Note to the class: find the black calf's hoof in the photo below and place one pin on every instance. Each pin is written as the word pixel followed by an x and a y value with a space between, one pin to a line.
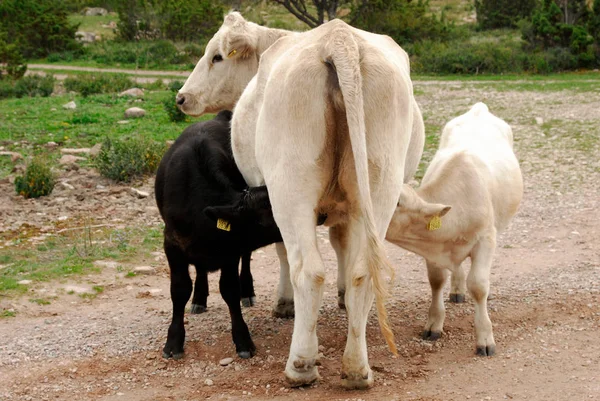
pixel 482 350
pixel 457 298
pixel 245 354
pixel 197 309
pixel 429 335
pixel 169 354
pixel 248 302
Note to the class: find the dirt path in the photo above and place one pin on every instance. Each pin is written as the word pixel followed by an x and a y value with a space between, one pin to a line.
pixel 111 70
pixel 545 302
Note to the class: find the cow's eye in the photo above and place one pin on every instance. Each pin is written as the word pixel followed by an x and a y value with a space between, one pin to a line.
pixel 217 58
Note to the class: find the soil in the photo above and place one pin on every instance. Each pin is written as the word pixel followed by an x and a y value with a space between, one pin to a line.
pixel 544 304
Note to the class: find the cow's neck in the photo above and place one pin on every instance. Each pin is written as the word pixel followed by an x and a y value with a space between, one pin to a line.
pixel 268 36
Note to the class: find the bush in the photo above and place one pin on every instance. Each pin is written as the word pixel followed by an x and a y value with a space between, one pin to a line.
pixel 89 84
pixel 124 160
pixel 7 89
pixel 493 14
pixel 39 27
pixel 34 85
pixel 405 22
pixel 12 63
pixel 173 111
pixel 37 181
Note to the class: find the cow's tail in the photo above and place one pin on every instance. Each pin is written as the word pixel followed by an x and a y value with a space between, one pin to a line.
pixel 342 52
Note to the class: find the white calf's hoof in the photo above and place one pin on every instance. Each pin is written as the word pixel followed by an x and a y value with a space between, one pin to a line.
pixel 284 308
pixel 357 380
pixel 302 372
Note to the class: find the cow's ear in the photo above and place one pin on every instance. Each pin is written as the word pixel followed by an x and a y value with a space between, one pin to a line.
pixel 435 209
pixel 238 39
pixel 227 214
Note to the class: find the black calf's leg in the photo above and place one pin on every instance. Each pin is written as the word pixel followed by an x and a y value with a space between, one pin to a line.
pixel 229 285
pixel 246 282
pixel 181 290
pixel 200 291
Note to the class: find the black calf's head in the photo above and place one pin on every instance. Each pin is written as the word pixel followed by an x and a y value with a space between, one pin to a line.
pixel 249 215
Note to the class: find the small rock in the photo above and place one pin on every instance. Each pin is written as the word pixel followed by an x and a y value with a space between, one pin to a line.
pixel 95 150
pixel 139 194
pixel 133 92
pixel 70 159
pixel 150 356
pixel 69 151
pixel 70 106
pixel 144 270
pixel 225 361
pixel 24 282
pixel 94 11
pixel 208 382
pixel 66 185
pixel 53 109
pixel 123 122
pixel 539 120
pixel 135 112
pixel 170 143
pixel 51 145
pixel 14 156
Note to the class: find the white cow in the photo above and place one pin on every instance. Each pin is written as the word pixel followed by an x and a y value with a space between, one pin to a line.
pixel 217 83
pixel 475 171
pixel 326 124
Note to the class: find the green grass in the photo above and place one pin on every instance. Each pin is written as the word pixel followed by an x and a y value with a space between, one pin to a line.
pixel 7 313
pixel 94 24
pixel 40 301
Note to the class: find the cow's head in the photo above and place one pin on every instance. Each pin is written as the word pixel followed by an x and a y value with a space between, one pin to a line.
pixel 229 63
pixel 249 215
pixel 414 216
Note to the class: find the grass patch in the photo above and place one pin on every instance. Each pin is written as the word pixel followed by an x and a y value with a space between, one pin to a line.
pixel 130 274
pixel 40 301
pixel 8 313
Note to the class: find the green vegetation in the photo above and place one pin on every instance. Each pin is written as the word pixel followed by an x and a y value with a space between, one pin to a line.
pixel 30 86
pixel 125 160
pixel 91 84
pixel 37 181
pixel 40 301
pixel 492 14
pixel 8 313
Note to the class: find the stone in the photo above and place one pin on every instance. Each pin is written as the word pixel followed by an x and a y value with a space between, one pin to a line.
pixel 139 194
pixel 86 37
pixel 225 361
pixel 106 263
pixel 69 151
pixel 123 122
pixel 133 92
pixel 70 159
pixel 24 282
pixel 144 270
pixel 94 11
pixel 95 150
pixel 66 185
pixel 208 382
pixel 539 120
pixel 14 156
pixel 70 106
pixel 51 145
pixel 135 112
pixel 170 143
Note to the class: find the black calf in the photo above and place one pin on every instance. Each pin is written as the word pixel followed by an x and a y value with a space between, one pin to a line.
pixel 211 220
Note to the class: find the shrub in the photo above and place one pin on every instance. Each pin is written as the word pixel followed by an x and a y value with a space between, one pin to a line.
pixel 173 111
pixel 34 85
pixel 40 27
pixel 89 84
pixel 493 14
pixel 12 63
pixel 124 160
pixel 174 86
pixel 37 181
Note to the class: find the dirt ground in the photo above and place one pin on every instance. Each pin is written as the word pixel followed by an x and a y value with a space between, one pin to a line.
pixel 544 304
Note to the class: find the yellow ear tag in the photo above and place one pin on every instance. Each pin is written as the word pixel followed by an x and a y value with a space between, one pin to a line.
pixel 435 223
pixel 223 225
pixel 232 53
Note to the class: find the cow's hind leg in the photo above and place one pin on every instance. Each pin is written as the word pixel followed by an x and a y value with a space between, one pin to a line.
pixel 181 290
pixel 458 286
pixel 478 283
pixel 246 282
pixel 284 308
pixel 337 237
pixel 200 292
pixel 229 285
pixel 437 312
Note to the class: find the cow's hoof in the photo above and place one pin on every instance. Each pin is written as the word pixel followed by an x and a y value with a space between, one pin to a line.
pixel 284 308
pixel 197 309
pixel 457 298
pixel 486 350
pixel 170 354
pixel 248 302
pixel 430 335
pixel 245 354
pixel 341 299
pixel 357 380
pixel 302 372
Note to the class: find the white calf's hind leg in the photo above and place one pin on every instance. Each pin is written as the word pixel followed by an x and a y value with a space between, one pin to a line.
pixel 337 237
pixel 478 283
pixel 458 286
pixel 284 307
pixel 437 312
